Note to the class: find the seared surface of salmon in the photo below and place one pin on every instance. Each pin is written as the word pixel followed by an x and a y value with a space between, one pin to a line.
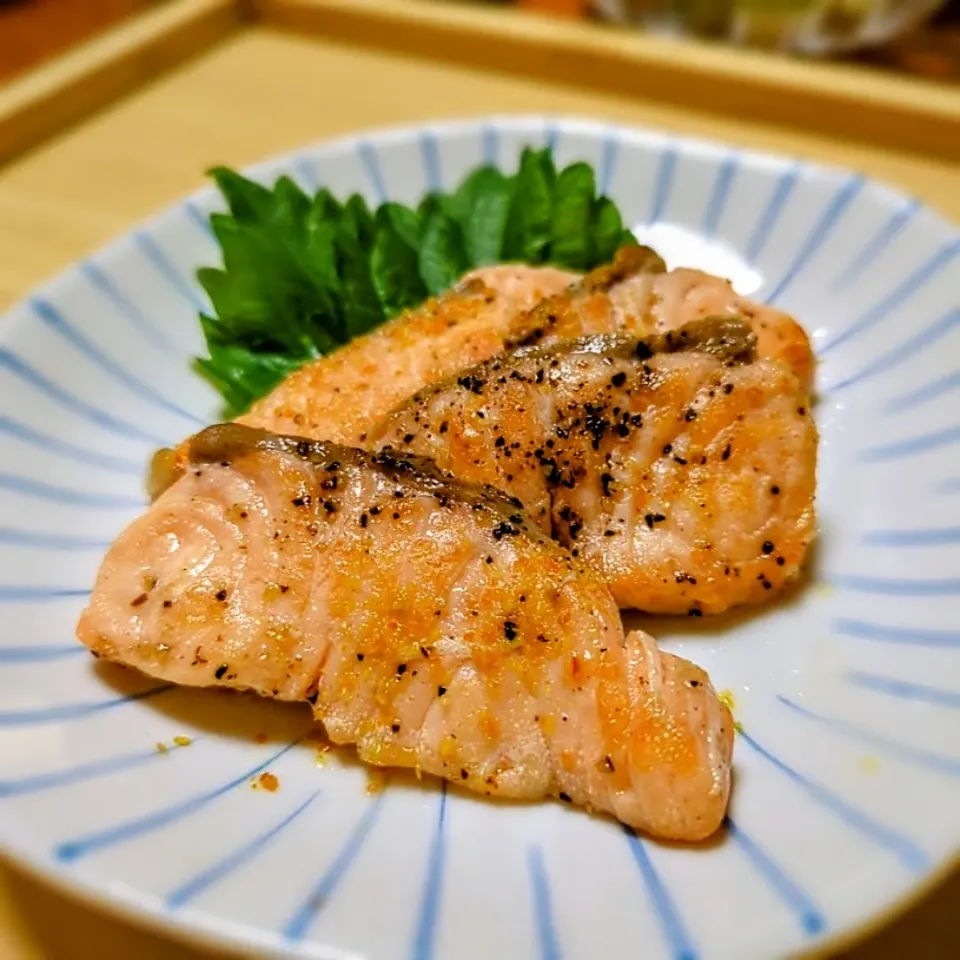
pixel 644 298
pixel 340 395
pixel 426 620
pixel 682 468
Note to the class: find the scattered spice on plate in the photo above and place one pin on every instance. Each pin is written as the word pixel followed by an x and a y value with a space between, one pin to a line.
pixel 376 781
pixel 182 741
pixel 268 782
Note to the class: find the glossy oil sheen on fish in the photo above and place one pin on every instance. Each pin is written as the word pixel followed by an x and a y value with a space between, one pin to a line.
pixel 682 467
pixel 426 620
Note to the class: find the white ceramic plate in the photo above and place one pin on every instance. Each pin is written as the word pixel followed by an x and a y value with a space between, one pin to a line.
pixel 847 794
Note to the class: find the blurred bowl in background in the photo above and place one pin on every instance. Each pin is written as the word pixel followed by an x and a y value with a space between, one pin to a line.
pixel 815 27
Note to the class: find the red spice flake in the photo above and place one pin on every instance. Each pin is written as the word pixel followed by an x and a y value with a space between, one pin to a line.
pixel 260 738
pixel 376 781
pixel 268 782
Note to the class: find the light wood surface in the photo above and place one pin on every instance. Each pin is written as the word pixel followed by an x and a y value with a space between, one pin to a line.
pixel 101 71
pixel 263 92
pixel 842 100
pixel 259 93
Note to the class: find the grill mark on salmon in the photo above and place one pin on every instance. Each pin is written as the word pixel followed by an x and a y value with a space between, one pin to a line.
pixel 637 295
pixel 426 620
pixel 679 465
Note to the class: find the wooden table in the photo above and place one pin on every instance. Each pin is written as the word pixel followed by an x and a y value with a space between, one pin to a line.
pixel 261 92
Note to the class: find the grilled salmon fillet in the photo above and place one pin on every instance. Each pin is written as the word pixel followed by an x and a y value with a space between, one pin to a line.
pixel 682 468
pixel 338 396
pixel 426 620
pixel 637 295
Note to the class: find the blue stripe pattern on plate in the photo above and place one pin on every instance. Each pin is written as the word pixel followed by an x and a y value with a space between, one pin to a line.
pixel 13 593
pixel 718 198
pixel 68 496
pixel 199 218
pixel 876 244
pixel 73 404
pixel 229 864
pixel 40 653
pixel 902 292
pixel 490 139
pixel 893 586
pixel 950 485
pixel 660 198
pixel 430 161
pixel 305 170
pixel 74 711
pixel 924 394
pixel 937 762
pixel 808 914
pixel 297 926
pixel 772 212
pixel 681 946
pixel 924 443
pixel 818 235
pixel 99 278
pixel 70 776
pixel 902 690
pixel 50 541
pixel 906 351
pixel 162 264
pixel 886 633
pixel 54 320
pixel 936 537
pixel 542 907
pixel 371 165
pixel 71 850
pixel 608 161
pixel 54 445
pixel 894 842
pixel 425 935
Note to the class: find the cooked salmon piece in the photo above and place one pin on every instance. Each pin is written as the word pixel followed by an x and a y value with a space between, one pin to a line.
pixel 644 298
pixel 426 620
pixel 681 467
pixel 338 396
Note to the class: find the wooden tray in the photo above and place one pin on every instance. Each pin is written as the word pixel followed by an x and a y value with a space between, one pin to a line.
pixel 123 126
